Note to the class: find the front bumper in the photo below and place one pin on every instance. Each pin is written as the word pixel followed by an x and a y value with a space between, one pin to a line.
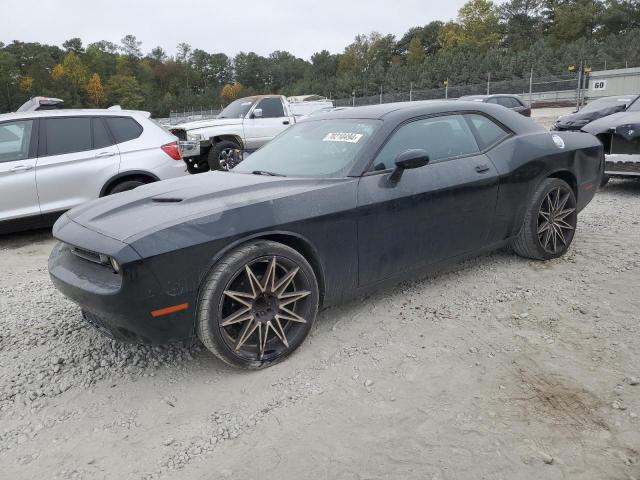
pixel 118 305
pixel 561 127
pixel 622 165
pixel 189 148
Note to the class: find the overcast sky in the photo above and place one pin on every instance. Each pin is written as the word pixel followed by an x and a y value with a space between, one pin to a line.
pixel 301 27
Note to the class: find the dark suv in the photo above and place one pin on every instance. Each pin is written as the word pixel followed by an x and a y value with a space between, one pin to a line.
pixel 512 102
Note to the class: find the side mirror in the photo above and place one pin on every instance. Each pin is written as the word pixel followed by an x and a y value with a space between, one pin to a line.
pixel 407 160
pixel 257 113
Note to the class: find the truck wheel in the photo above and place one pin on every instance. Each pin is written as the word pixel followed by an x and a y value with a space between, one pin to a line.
pixel 605 180
pixel 220 154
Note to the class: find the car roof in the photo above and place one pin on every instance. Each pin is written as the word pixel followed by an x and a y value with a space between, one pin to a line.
pixel 493 95
pixel 402 111
pixel 258 97
pixel 71 113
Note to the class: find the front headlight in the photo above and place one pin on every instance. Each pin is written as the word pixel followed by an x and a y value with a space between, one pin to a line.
pixel 580 123
pixel 114 264
pixel 195 137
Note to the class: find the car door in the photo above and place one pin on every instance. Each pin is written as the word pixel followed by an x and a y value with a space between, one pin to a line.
pixel 76 157
pixel 264 122
pixel 18 147
pixel 432 213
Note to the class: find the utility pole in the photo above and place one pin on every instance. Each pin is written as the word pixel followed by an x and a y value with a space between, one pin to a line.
pixel 411 92
pixel 531 88
pixel 353 98
pixel 585 81
pixel 446 89
pixel 578 89
pixel 488 83
pixel 380 94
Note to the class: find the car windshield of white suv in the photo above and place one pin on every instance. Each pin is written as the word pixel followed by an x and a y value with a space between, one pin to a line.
pixel 237 109
pixel 323 148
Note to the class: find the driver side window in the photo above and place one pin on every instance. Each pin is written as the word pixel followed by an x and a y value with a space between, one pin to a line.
pixel 271 108
pixel 441 137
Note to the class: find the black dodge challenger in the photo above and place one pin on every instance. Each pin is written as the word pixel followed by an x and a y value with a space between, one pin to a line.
pixel 331 208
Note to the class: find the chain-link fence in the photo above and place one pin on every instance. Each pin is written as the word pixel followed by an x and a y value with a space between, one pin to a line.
pixel 551 91
pixel 562 90
pixel 569 89
pixel 177 117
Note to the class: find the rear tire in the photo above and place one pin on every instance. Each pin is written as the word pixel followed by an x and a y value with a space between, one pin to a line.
pixel 605 180
pixel 257 305
pixel 125 185
pixel 549 223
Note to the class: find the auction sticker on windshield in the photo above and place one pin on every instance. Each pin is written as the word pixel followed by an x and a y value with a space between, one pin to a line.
pixel 343 137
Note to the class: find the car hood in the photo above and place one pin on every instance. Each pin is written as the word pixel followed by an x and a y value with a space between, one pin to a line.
pixel 603 125
pixel 585 116
pixel 213 122
pixel 205 198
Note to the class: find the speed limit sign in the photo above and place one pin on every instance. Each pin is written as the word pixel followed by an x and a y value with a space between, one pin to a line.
pixel 598 85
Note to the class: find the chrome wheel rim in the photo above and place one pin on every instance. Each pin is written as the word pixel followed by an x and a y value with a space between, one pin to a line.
pixel 228 158
pixel 265 308
pixel 557 220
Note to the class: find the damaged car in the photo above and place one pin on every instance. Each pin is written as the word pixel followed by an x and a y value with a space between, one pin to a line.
pixel 334 207
pixel 594 110
pixel 620 136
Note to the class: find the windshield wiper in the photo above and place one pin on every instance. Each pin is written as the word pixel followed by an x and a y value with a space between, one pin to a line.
pixel 269 174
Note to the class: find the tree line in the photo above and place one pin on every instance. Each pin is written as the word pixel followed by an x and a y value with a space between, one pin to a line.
pixel 506 40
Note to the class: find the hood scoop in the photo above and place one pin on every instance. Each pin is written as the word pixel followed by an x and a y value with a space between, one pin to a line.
pixel 167 200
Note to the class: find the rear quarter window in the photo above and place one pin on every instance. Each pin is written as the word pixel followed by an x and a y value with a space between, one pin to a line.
pixel 123 129
pixel 487 132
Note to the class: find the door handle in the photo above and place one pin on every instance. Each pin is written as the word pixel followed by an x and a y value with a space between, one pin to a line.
pixel 104 155
pixel 483 167
pixel 21 168
pixel 286 122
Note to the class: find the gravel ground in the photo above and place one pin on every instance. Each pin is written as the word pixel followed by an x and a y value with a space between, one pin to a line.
pixel 498 368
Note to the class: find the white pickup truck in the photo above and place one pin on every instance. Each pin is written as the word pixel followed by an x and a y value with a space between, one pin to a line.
pixel 243 126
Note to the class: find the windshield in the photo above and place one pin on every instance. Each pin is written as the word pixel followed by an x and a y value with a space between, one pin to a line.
pixel 324 148
pixel 237 109
pixel 606 102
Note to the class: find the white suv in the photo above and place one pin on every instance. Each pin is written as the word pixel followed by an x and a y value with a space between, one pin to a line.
pixel 51 161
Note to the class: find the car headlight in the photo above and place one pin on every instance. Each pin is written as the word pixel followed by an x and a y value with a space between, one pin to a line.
pixel 195 137
pixel 581 123
pixel 114 264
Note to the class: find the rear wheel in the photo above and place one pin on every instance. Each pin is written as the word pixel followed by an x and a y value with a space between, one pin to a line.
pixel 605 180
pixel 550 222
pixel 257 305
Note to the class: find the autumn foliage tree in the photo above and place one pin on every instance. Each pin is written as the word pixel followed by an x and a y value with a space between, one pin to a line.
pixel 26 83
pixel 231 91
pixel 95 91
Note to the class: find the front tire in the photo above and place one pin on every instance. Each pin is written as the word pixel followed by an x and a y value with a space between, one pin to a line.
pixel 223 153
pixel 257 305
pixel 550 222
